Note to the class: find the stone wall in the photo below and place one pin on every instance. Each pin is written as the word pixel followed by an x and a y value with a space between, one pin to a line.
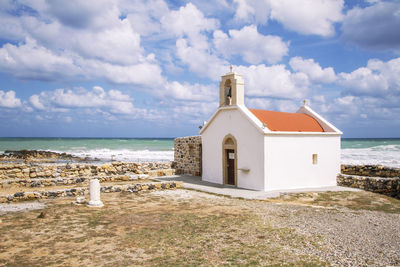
pixel 374 178
pixel 381 185
pixel 43 182
pixel 187 155
pixel 35 171
pixel 370 170
pixel 80 191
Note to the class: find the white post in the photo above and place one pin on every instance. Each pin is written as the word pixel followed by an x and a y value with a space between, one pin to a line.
pixel 94 190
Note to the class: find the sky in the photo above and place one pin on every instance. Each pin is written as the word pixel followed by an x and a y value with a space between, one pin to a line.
pixel 129 68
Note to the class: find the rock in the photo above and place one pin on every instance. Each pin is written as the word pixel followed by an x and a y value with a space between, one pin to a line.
pixel 42 215
pixel 81 200
pixel 19 194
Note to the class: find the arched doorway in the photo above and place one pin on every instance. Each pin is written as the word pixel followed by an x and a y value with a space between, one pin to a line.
pixel 229 160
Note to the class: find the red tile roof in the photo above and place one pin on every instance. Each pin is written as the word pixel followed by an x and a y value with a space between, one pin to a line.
pixel 287 122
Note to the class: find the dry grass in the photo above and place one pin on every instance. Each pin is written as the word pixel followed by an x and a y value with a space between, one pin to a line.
pixel 148 229
pixel 10 189
pixel 172 228
pixel 361 200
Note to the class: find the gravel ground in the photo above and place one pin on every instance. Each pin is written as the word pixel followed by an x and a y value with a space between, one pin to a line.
pixel 340 236
pixel 345 237
pixel 4 208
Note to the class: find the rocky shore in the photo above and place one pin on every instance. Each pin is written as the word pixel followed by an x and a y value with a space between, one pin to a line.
pixel 18 179
pixel 40 156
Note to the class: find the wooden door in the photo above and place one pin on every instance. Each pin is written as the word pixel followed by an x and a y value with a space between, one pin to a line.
pixel 230 165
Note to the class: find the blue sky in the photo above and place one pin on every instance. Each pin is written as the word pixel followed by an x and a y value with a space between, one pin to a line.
pixel 127 68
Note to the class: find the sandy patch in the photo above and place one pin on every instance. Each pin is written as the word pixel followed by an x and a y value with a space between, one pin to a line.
pixel 183 194
pixel 14 207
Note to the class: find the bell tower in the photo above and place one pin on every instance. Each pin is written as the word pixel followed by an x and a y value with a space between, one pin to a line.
pixel 231 89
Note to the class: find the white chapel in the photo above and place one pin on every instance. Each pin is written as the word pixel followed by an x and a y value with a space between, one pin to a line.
pixel 267 150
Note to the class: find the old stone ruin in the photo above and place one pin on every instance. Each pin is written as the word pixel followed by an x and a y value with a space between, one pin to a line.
pixel 28 180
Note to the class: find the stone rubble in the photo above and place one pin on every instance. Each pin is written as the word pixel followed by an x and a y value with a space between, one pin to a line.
pixel 381 185
pixel 370 170
pixel 33 171
pixel 81 191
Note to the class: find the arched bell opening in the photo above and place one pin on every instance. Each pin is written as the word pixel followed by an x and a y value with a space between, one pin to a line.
pixel 228 92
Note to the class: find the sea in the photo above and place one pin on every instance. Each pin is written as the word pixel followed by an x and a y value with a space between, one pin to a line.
pixel 353 150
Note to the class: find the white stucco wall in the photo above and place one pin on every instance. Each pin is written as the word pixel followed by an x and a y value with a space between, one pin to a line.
pixel 288 161
pixel 250 149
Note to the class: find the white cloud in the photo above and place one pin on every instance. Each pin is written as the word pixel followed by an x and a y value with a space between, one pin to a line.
pixel 194 113
pixel 192 92
pixel 308 16
pixel 30 60
pixel 192 46
pixel 252 11
pixel 201 61
pixel 319 99
pixel 313 70
pixel 303 16
pixel 8 99
pixel 258 103
pixel 189 22
pixel 114 42
pixel 82 14
pixel 59 100
pixel 145 74
pixel 55 44
pixel 118 45
pixel 378 78
pixel 254 47
pixel 36 103
pixel 144 16
pixel 363 81
pixel 10 27
pixel 118 95
pixel 374 27
pixel 273 81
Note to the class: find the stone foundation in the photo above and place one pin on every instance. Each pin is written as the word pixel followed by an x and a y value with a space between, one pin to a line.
pixel 39 182
pixel 370 170
pixel 80 191
pixel 386 186
pixel 187 155
pixel 34 171
pixel 374 178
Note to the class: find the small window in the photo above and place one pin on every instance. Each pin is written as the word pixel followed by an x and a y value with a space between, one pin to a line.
pixel 314 159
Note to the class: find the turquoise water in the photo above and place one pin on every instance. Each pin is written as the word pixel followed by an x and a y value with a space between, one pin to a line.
pixel 354 151
pixel 371 151
pixel 124 149
pixel 358 143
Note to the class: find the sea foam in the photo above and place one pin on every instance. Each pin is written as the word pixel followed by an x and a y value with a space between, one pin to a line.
pixel 387 155
pixel 124 155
